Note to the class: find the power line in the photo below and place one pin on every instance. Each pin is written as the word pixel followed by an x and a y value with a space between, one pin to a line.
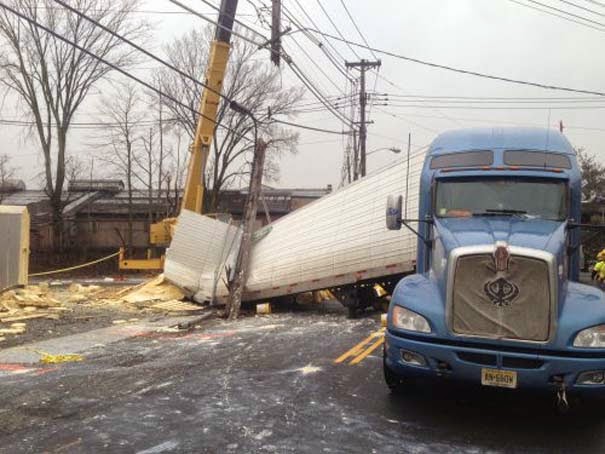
pixel 321 70
pixel 393 84
pixel 304 79
pixel 310 128
pixel 407 120
pixel 207 19
pixel 82 125
pixel 577 16
pixel 297 71
pixel 246 26
pixel 589 10
pixel 363 38
pixel 336 28
pixel 460 70
pixel 314 40
pixel 106 62
pixel 313 89
pixel 151 55
pixel 550 13
pixel 595 2
pixel 514 123
pixel 501 98
pixel 470 107
pixel 316 26
pixel 140 49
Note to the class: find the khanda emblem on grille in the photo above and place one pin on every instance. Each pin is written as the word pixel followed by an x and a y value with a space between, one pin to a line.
pixel 501 291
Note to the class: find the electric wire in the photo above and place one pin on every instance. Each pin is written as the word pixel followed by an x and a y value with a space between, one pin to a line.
pixel 363 38
pixel 595 2
pixel 140 49
pixel 337 29
pixel 313 89
pixel 290 62
pixel 340 68
pixel 210 20
pixel 310 19
pixel 237 21
pixel 468 107
pixel 111 65
pixel 463 71
pixel 562 11
pixel 184 74
pixel 583 8
pixel 550 13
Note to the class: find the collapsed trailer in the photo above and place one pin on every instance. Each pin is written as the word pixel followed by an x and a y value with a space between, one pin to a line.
pixel 339 242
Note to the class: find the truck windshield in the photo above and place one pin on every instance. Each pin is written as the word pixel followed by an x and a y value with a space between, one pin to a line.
pixel 501 197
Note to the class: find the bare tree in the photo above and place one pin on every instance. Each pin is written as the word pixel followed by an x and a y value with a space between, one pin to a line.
pixel 593 174
pixel 175 171
pixel 52 78
pixel 254 84
pixel 122 110
pixel 7 174
pixel 147 163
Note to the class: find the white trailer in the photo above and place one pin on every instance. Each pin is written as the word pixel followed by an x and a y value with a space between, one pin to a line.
pixel 338 242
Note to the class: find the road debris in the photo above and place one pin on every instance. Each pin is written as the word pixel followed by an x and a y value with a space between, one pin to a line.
pixel 49 358
pixel 263 309
pixel 43 301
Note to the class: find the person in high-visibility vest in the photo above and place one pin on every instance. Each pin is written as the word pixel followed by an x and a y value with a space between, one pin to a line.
pixel 598 271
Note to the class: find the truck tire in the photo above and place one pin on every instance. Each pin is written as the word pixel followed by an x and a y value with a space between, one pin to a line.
pixel 395 382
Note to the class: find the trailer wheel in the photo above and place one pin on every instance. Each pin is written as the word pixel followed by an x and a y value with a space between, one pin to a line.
pixel 395 382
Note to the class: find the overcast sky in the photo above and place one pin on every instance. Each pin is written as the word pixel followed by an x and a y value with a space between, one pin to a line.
pixel 492 36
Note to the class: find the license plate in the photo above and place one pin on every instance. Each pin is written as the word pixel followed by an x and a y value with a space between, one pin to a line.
pixel 499 378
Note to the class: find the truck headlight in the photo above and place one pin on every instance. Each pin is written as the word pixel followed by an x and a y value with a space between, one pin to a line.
pixel 409 321
pixel 591 338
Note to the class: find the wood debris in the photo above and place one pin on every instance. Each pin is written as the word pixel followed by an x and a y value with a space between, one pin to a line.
pixel 35 302
pixel 177 306
pixel 158 289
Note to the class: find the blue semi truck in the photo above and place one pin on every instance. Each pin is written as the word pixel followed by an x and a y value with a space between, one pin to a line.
pixel 496 299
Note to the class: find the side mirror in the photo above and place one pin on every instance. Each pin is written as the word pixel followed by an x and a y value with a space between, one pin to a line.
pixel 394 206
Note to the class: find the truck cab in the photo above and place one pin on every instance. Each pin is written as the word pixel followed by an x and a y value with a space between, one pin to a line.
pixel 495 300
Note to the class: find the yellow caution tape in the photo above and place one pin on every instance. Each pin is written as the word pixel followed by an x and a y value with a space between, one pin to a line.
pixel 71 268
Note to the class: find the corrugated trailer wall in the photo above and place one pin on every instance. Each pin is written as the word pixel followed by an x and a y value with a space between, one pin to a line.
pixel 339 239
pixel 14 247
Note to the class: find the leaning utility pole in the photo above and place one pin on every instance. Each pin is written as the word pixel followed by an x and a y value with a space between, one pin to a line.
pixel 363 66
pixel 236 287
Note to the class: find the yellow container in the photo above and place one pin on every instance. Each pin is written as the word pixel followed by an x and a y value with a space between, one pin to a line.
pixel 263 309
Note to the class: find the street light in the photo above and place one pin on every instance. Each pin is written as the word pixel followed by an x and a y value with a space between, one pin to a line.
pixel 392 149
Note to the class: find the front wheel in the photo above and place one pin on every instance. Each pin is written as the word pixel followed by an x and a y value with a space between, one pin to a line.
pixel 394 381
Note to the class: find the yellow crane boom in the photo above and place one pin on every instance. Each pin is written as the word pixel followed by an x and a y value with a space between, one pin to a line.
pixel 160 233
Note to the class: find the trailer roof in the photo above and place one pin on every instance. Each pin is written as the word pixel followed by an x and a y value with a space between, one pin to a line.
pixel 501 138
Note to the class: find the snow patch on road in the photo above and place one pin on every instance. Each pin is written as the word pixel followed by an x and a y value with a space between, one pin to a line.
pixel 309 369
pixel 162 447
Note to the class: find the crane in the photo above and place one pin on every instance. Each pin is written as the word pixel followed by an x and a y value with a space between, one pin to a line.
pixel 160 233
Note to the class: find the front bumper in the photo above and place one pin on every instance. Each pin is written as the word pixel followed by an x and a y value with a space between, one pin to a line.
pixel 464 363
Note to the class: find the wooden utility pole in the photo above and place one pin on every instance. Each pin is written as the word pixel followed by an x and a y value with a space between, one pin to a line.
pixel 276 31
pixel 240 271
pixel 363 66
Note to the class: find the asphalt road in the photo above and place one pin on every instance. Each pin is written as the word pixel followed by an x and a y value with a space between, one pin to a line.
pixel 267 384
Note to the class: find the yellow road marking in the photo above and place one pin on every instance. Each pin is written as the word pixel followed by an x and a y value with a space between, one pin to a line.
pixel 361 350
pixel 369 350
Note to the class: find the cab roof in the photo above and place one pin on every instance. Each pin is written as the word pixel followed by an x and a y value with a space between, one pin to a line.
pixel 501 138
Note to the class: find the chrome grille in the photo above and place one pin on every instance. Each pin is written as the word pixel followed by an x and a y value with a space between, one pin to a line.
pixel 513 304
